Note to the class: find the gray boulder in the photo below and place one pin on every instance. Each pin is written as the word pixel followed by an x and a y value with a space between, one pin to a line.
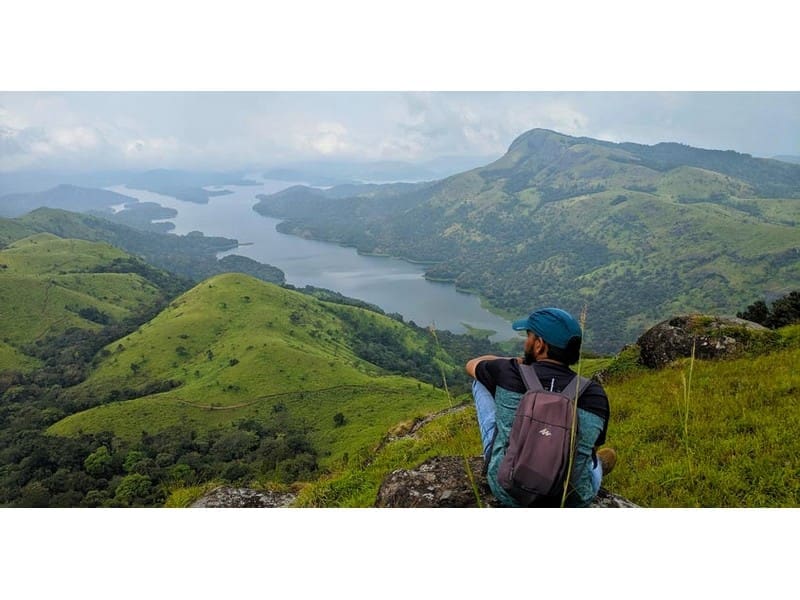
pixel 712 337
pixel 443 482
pixel 233 497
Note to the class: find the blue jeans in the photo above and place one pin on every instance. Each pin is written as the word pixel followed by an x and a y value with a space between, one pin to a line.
pixel 486 411
pixel 484 406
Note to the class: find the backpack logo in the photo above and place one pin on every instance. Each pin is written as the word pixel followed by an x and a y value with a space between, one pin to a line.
pixel 545 432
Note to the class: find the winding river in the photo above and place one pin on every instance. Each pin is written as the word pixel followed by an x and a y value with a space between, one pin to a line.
pixel 396 286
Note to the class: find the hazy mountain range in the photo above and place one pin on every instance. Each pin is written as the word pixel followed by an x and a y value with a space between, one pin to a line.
pixel 629 231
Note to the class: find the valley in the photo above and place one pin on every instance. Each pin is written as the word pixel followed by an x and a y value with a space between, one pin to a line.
pixel 633 233
pixel 139 367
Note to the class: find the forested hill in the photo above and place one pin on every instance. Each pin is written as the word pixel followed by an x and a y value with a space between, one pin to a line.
pixel 236 379
pixel 634 233
pixel 193 256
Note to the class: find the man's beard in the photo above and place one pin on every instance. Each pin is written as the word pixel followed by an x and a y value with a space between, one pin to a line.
pixel 528 358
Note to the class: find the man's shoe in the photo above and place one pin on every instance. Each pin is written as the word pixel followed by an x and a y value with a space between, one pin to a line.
pixel 607 458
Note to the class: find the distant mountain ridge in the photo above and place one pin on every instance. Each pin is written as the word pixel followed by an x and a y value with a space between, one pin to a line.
pixel 184 185
pixel 333 173
pixel 631 232
pixel 63 196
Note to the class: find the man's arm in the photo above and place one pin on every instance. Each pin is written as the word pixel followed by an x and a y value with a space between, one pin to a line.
pixel 473 363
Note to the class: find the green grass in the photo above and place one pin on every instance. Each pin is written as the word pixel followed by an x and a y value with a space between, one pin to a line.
pixel 47 281
pixel 183 497
pixel 726 438
pixel 729 440
pixel 12 359
pixel 243 349
pixel 357 481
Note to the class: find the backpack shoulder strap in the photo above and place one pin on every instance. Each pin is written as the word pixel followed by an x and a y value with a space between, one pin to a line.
pixel 576 387
pixel 530 378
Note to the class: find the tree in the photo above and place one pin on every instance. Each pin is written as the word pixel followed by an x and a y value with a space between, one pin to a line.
pixel 133 487
pixel 34 495
pixel 234 444
pixel 99 463
pixel 338 419
pixel 785 311
pixel 756 312
pixel 131 459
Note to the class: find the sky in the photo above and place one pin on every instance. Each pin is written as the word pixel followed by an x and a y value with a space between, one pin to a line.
pixel 233 130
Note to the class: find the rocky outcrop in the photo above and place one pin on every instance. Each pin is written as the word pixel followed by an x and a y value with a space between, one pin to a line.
pixel 443 482
pixel 712 337
pixel 231 497
pixel 440 482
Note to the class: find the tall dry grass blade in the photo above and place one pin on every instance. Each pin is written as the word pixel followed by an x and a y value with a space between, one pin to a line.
pixel 573 434
pixel 687 392
pixel 471 477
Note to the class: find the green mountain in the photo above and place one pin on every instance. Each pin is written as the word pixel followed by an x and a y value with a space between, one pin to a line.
pixel 241 380
pixel 633 233
pixel 238 347
pixel 50 286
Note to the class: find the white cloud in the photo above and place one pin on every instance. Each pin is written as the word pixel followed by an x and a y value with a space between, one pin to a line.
pixel 328 139
pixel 75 139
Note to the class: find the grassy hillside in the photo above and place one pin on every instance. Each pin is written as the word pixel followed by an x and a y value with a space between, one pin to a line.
pixel 143 389
pixel 634 233
pixel 241 349
pixel 701 434
pixel 49 285
pixel 720 433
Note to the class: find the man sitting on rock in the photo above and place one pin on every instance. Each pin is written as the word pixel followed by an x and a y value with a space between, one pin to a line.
pixel 553 343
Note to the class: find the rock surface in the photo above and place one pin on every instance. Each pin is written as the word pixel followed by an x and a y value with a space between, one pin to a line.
pixel 442 482
pixel 230 497
pixel 712 336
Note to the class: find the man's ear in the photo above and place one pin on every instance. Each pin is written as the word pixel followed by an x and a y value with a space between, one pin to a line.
pixel 544 348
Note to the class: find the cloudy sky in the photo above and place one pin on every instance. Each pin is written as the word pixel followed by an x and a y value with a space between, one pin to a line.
pixel 76 130
pixel 353 45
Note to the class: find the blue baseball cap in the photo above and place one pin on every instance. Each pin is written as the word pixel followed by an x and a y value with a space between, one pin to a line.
pixel 553 325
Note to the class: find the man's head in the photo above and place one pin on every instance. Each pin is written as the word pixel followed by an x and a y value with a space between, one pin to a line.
pixel 552 333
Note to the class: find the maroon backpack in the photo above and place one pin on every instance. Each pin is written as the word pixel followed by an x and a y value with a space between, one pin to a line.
pixel 540 444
